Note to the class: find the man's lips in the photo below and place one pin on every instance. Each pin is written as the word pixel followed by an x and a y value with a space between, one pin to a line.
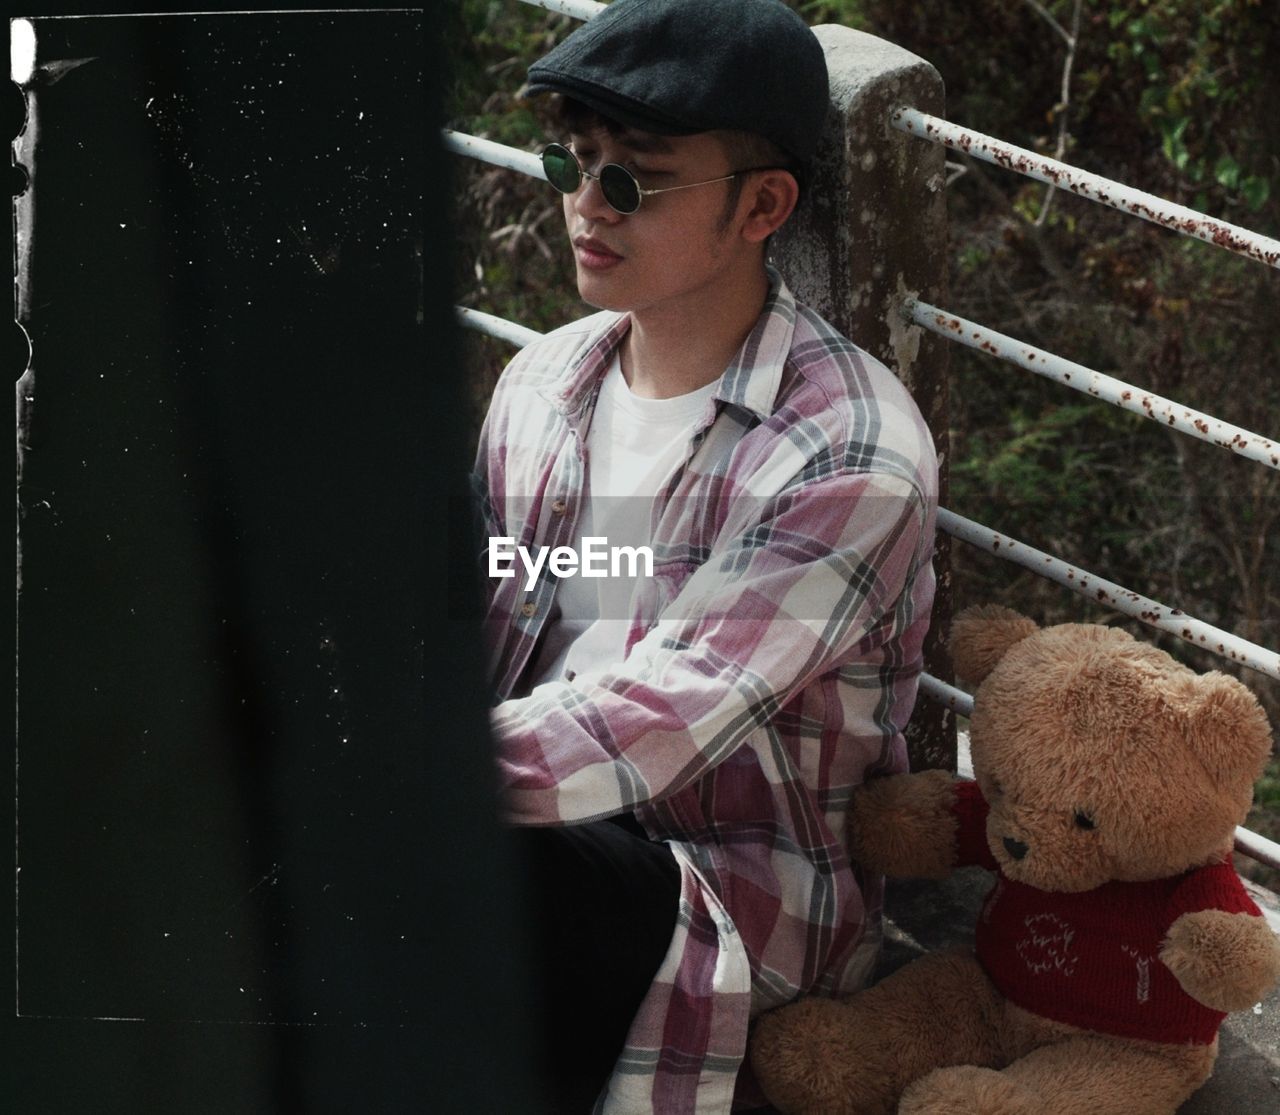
pixel 594 254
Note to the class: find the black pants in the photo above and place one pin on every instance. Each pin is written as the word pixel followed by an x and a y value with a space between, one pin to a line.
pixel 604 901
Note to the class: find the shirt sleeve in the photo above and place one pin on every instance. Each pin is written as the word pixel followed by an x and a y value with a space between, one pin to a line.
pixel 792 595
pixel 487 482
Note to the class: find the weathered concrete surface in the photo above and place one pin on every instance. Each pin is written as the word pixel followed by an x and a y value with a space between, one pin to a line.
pixel 927 916
pixel 871 233
pixel 873 228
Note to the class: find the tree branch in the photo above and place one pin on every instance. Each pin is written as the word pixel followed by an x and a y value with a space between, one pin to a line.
pixel 1045 14
pixel 1063 107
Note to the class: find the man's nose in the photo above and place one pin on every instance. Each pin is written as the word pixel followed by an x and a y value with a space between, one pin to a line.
pixel 590 204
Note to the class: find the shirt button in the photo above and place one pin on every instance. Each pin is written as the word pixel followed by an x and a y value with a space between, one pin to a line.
pixel 528 609
pixel 559 506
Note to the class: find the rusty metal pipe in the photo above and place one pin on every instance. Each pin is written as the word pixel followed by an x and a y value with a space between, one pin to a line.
pixel 499 154
pixel 499 327
pixel 957 700
pixel 1258 847
pixel 1092 186
pixel 579 9
pixel 1097 384
pixel 1110 595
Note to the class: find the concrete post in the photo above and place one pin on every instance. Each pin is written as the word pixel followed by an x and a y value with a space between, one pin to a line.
pixel 873 232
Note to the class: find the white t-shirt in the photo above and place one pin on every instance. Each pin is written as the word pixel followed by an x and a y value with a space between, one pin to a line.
pixel 633 447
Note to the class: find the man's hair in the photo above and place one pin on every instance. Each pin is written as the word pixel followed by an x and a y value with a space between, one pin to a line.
pixel 747 149
pixel 744 149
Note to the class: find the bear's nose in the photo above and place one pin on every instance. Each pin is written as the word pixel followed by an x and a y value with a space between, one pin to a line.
pixel 1015 848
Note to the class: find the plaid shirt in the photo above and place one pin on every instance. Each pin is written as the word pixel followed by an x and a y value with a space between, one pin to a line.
pixel 772 661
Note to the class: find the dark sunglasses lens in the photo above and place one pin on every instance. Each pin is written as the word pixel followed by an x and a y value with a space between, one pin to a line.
pixel 561 168
pixel 620 190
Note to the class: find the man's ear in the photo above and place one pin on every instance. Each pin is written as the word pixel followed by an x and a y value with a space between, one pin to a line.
pixel 772 195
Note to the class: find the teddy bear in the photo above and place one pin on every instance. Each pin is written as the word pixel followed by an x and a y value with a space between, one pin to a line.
pixel 1108 782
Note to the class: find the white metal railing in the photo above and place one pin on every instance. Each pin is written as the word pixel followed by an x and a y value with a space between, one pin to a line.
pixel 500 327
pixel 579 9
pixel 1255 447
pixel 1113 596
pixel 1096 384
pixel 1126 199
pixel 498 154
pixel 1168 413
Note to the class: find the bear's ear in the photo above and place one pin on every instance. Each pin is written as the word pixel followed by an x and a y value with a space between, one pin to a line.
pixel 1229 730
pixel 980 637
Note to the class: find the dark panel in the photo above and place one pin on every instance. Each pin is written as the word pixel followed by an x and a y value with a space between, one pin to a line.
pixel 220 638
pixel 254 798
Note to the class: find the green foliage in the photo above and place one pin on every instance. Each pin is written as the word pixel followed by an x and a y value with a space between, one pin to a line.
pixel 1200 63
pixel 1038 464
pixel 1266 794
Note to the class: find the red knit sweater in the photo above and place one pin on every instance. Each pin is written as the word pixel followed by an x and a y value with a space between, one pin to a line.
pixel 1093 959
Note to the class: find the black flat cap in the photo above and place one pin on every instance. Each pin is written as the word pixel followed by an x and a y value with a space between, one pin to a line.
pixel 676 67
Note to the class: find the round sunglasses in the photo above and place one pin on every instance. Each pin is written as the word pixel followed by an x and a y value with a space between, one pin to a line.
pixel 618 185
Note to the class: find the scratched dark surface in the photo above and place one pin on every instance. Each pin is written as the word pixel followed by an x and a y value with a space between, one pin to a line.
pixel 231 683
pixel 224 271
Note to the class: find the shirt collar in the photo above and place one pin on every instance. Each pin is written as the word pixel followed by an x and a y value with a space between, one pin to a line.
pixel 751 380
pixel 573 396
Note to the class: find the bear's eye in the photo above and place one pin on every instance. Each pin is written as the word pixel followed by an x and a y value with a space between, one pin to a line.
pixel 1084 821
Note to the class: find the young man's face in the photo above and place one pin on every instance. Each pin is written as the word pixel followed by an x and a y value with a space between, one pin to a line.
pixel 676 248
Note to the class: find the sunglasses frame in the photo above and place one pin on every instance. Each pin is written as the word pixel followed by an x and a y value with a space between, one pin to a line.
pixel 641 192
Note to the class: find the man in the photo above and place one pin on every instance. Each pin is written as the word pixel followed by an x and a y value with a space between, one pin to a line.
pixel 680 764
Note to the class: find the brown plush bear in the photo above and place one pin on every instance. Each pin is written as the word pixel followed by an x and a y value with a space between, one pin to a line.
pixel 1109 781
